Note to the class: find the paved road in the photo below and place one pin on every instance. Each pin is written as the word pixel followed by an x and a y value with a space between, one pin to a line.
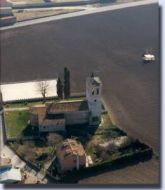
pixel 75 14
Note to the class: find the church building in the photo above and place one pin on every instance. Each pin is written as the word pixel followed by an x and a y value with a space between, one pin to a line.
pixel 55 116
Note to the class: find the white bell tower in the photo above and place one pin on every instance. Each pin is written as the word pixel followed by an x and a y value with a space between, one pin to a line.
pixel 93 96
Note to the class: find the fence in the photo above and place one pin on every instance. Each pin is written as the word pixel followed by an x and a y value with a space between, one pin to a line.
pixel 109 165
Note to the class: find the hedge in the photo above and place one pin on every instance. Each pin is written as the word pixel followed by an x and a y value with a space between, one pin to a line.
pixel 110 165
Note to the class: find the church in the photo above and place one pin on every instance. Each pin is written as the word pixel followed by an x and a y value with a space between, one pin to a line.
pixel 53 117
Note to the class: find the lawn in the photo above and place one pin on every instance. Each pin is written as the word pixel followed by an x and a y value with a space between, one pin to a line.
pixel 16 122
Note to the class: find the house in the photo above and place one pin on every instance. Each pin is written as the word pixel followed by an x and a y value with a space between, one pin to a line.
pixel 70 155
pixel 11 176
pixel 55 116
pixel 5 164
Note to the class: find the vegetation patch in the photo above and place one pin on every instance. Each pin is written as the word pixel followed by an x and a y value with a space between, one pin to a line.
pixel 29 103
pixel 39 152
pixel 16 122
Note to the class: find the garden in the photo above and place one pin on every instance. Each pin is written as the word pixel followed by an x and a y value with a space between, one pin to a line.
pixel 16 122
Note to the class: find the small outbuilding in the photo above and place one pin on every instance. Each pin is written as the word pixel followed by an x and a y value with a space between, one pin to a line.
pixel 11 176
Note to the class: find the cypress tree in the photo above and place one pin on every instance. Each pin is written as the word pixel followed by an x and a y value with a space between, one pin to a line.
pixel 59 88
pixel 66 83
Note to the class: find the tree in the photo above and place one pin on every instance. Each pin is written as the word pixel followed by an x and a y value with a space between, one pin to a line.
pixel 59 88
pixel 66 83
pixel 1 101
pixel 43 87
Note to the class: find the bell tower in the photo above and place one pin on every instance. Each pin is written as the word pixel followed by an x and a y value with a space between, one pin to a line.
pixel 93 96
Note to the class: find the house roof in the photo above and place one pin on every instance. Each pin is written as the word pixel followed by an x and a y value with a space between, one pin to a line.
pixel 70 146
pixel 51 108
pixel 13 174
pixel 49 122
pixel 5 161
pixel 68 106
pixel 40 111
pixel 97 81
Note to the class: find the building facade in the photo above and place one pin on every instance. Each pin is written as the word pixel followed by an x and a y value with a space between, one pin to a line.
pixel 55 116
pixel 93 96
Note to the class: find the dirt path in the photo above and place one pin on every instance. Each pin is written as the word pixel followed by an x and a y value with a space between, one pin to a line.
pixel 16 109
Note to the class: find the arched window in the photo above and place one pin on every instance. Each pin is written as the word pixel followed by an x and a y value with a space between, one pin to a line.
pixel 97 91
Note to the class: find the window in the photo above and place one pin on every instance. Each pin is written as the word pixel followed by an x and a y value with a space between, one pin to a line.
pixel 97 91
pixel 95 100
pixel 93 92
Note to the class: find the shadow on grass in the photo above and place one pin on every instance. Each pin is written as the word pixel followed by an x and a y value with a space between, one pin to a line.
pixel 82 133
pixel 28 131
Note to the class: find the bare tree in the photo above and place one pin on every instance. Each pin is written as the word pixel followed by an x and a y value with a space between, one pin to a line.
pixel 43 88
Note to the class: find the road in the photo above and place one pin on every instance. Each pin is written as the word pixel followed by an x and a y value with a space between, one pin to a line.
pixel 81 13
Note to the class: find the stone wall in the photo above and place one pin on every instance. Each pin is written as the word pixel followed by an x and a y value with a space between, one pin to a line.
pixel 79 117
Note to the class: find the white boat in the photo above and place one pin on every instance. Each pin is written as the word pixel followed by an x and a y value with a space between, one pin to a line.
pixel 148 57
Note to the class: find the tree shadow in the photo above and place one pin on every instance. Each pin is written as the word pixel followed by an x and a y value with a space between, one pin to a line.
pixel 83 133
pixel 29 131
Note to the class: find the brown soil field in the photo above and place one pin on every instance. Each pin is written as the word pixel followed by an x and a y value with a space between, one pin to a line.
pixel 111 45
pixel 138 175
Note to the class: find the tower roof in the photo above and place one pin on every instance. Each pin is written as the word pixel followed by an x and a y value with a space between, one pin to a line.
pixel 96 81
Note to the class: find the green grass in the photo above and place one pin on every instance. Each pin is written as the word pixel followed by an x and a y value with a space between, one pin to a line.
pixel 22 104
pixel 32 103
pixel 16 122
